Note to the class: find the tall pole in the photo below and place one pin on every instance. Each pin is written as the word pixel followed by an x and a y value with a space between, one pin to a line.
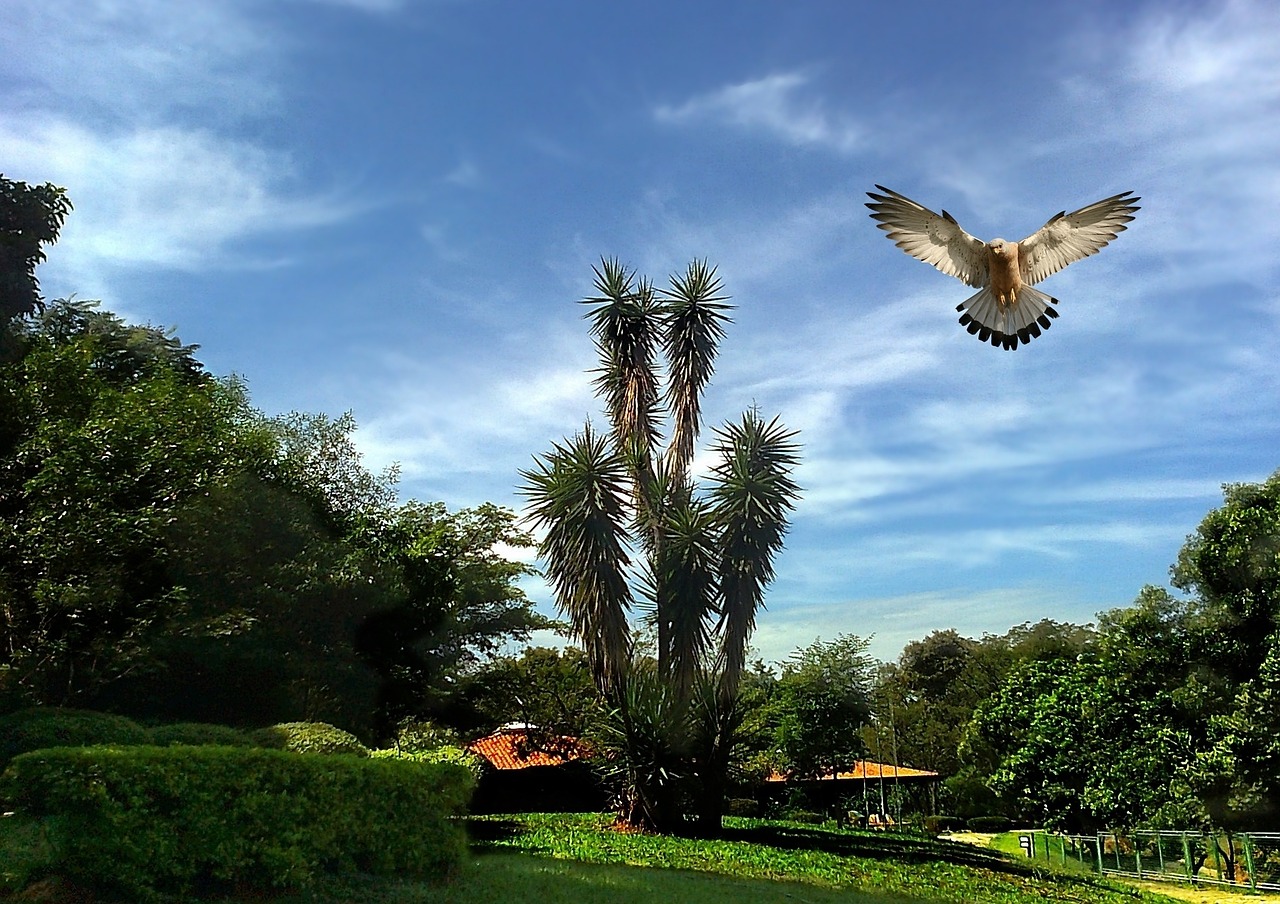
pixel 880 767
pixel 897 795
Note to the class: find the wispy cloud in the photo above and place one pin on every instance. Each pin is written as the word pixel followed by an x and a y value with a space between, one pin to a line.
pixel 774 105
pixel 107 101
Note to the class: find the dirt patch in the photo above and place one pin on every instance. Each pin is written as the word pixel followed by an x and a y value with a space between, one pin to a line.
pixel 981 839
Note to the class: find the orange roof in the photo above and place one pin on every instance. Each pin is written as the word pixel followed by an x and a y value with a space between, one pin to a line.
pixel 863 770
pixel 509 748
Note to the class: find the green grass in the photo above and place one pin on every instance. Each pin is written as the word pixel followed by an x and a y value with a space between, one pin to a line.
pixel 577 859
pixel 881 866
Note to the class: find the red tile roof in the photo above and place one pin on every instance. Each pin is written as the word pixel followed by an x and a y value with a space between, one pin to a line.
pixel 510 748
pixel 863 770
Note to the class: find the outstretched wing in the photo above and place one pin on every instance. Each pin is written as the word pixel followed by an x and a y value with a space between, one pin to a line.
pixel 1068 237
pixel 930 237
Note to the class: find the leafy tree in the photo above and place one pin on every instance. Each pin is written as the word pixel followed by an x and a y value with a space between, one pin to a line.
pixel 1231 565
pixel 544 687
pixel 30 216
pixel 454 601
pixel 1241 771
pixel 823 700
pixel 701 562
pixel 110 429
pixel 168 551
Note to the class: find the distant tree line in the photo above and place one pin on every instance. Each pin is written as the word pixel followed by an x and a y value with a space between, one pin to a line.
pixel 1166 714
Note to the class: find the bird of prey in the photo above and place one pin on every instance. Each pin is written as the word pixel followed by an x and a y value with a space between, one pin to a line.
pixel 1007 310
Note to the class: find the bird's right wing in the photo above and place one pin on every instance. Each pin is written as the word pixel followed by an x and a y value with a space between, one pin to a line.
pixel 936 239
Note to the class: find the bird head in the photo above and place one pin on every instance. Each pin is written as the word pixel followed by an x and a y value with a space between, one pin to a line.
pixel 1000 248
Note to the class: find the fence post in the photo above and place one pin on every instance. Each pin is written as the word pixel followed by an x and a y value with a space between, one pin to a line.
pixel 1248 861
pixel 1137 855
pixel 1099 850
pixel 1186 856
pixel 1160 850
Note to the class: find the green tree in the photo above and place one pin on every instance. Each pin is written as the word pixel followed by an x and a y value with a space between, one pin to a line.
pixel 702 561
pixel 30 216
pixel 106 438
pixel 453 602
pixel 823 700
pixel 544 687
pixel 1231 566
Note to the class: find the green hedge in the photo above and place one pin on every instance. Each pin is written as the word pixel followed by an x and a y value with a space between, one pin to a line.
pixel 989 824
pixel 42 727
pixel 309 737
pixel 943 823
pixel 458 756
pixel 176 819
pixel 199 734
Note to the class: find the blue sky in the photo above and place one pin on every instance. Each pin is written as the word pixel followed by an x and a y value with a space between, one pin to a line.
pixel 391 207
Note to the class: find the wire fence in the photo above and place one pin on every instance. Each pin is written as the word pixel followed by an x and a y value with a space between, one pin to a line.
pixel 1246 860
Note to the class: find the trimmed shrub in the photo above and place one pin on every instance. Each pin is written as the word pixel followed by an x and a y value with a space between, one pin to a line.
pixel 309 737
pixel 989 824
pixel 457 756
pixel 199 734
pixel 742 806
pixel 417 736
pixel 172 820
pixel 937 824
pixel 42 727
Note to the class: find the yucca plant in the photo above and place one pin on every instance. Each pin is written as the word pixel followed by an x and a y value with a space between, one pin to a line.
pixel 629 531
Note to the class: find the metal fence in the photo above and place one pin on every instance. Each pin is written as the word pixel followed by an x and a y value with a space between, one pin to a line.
pixel 1246 860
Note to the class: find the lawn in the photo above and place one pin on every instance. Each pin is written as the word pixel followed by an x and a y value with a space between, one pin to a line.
pixel 577 859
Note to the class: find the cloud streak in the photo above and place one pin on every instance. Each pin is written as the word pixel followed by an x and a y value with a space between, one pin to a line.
pixel 772 105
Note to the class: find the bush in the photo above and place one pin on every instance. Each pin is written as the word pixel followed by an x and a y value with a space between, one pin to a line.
pixel 199 734
pixel 743 806
pixel 414 736
pixel 937 824
pixel 989 824
pixel 309 737
pixel 457 756
pixel 147 820
pixel 42 727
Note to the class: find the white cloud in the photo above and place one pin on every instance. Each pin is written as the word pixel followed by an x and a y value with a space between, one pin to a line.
pixel 155 196
pixel 106 101
pixel 770 104
pixel 142 61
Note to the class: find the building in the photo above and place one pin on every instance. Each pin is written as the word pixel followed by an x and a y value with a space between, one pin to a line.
pixel 530 770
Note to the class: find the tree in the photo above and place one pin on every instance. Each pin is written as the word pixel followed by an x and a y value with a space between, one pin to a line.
pixel 823 700
pixel 30 216
pixel 169 551
pixel 617 506
pixel 543 687
pixel 109 428
pixel 453 602
pixel 1231 564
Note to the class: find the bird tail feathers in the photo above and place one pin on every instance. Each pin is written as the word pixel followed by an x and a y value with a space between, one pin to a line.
pixel 1005 325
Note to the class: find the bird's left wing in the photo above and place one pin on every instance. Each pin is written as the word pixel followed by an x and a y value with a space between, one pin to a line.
pixel 1068 237
pixel 930 237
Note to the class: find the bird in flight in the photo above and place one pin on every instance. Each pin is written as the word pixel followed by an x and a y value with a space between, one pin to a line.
pixel 1007 310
